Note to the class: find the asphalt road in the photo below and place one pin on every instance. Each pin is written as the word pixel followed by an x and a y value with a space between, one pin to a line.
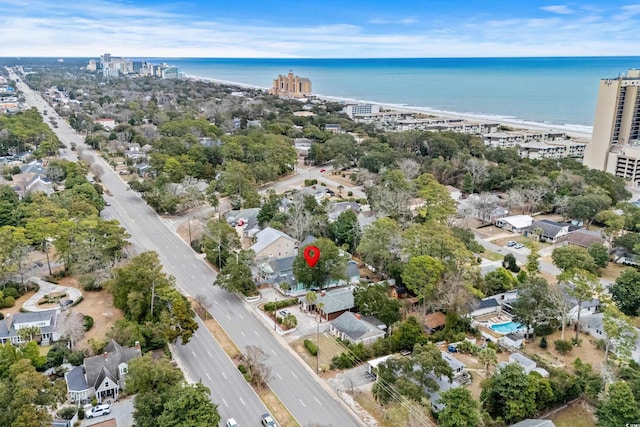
pixel 307 398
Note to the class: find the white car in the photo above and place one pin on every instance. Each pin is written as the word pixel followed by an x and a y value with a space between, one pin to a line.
pixel 518 246
pixel 96 411
pixel 231 422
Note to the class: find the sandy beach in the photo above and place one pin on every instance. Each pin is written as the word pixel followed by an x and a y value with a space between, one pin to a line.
pixel 581 133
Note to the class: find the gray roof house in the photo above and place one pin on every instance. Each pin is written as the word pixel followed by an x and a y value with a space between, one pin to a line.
pixel 551 231
pixel 594 326
pixel 335 209
pixel 101 376
pixel 586 238
pixel 334 302
pixel 45 320
pixel 352 327
pixel 534 423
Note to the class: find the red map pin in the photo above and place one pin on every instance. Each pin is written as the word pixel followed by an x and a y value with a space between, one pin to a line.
pixel 311 255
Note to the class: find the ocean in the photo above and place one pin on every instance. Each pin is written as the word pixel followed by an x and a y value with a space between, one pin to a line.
pixel 559 92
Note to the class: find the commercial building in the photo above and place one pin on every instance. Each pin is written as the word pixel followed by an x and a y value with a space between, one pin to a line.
pixel 353 110
pixel 291 86
pixel 615 142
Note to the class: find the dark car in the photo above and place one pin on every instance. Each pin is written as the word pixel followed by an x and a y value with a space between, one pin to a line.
pixel 268 421
pixel 65 303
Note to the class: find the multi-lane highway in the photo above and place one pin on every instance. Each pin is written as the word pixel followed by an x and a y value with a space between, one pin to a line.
pixel 307 398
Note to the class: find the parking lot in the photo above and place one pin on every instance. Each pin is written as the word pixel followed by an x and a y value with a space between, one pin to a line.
pixel 121 411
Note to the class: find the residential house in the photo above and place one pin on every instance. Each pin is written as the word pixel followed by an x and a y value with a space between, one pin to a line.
pixel 107 124
pixel 486 306
pixel 399 292
pixel 594 325
pixel 273 244
pixel 586 238
pixel 46 321
pixel 352 327
pixel 515 223
pixel 331 304
pixel 527 364
pixel 333 128
pixel 335 209
pixel 491 215
pixel 244 220
pixel 455 193
pixel 511 341
pixel 27 183
pixel 548 231
pixel 102 376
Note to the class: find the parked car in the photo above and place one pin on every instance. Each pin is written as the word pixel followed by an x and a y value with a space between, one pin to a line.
pixel 65 303
pixel 323 170
pixel 268 421
pixel 452 348
pixel 511 243
pixel 518 246
pixel 231 422
pixel 284 313
pixel 97 411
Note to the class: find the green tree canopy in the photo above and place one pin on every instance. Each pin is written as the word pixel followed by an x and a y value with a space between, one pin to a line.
pixel 330 267
pixel 421 275
pixel 619 407
pixel 573 257
pixel 625 292
pixel 374 300
pixel 460 409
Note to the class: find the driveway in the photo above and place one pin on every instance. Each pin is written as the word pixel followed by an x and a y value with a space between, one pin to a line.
pixel 47 288
pixel 121 411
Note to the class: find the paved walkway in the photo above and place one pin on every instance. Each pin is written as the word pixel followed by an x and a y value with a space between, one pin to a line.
pixel 47 288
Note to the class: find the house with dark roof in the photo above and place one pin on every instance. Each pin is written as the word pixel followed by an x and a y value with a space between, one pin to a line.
pixel 352 327
pixel 335 209
pixel 548 231
pixel 102 376
pixel 46 321
pixel 586 238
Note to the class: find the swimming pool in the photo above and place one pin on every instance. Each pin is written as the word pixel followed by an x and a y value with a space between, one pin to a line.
pixel 506 328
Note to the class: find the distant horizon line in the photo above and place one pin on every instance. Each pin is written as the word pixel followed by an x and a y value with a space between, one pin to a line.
pixel 324 58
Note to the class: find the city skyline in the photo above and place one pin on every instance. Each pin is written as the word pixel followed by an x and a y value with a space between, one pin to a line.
pixel 340 29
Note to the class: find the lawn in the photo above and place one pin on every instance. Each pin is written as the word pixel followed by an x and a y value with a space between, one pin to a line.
pixel 328 348
pixel 579 414
pixel 492 256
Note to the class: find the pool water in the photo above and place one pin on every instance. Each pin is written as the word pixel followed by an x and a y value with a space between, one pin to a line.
pixel 506 328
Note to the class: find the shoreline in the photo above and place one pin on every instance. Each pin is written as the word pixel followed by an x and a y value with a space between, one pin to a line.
pixel 579 132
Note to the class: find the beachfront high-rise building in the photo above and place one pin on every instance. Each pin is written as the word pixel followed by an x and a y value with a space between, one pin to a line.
pixel 291 86
pixel 353 110
pixel 615 142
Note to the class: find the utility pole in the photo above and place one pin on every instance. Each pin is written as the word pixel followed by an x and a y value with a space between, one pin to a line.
pixel 318 349
pixel 153 294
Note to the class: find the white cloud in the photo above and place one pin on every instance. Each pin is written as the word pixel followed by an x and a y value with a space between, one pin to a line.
pixel 559 9
pixel 384 21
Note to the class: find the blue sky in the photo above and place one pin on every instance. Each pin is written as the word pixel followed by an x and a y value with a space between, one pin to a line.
pixel 318 28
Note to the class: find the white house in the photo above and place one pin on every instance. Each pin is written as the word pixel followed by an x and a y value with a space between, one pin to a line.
pixel 511 341
pixel 515 223
pixel 455 193
pixel 46 321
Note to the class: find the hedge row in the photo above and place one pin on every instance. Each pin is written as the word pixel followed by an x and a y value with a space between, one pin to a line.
pixel 311 346
pixel 272 306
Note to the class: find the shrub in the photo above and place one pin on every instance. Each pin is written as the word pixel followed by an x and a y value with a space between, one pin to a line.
pixel 543 342
pixel 350 194
pixel 290 321
pixel 67 412
pixel 8 302
pixel 10 292
pixel 242 369
pixel 88 322
pixel 80 413
pixel 562 346
pixel 76 358
pixel 1 316
pixel 311 347
pixel 577 342
pixel 272 306
pixel 466 347
pixel 601 344
pixel 89 282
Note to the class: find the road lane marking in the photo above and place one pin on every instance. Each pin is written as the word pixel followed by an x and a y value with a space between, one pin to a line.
pixel 274 352
pixel 302 403
pixel 210 355
pixel 193 277
pixel 194 354
pixel 242 401
pixel 225 403
pixel 240 315
pixel 256 332
pixel 208 376
pixel 294 375
pixel 317 400
pixel 243 334
pixel 225 377
pixel 228 317
pixel 215 301
pixel 278 375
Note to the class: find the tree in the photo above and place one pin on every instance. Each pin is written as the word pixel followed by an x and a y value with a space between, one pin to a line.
pixel 619 329
pixel 559 304
pixel 331 266
pixel 508 395
pixel 421 274
pixel 380 244
pixel 533 260
pixel 531 306
pixel 189 405
pixel 236 277
pixel 625 292
pixel 498 281
pixel 460 409
pixel 258 370
pixel 509 262
pixel 619 407
pixel 345 230
pixel 72 327
pixel 600 254
pixel 374 300
pixel 146 374
pixel 573 257
pixel 583 286
pixel 489 358
pixel 438 205
pixel 219 242
pixel 587 206
pixel 407 334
